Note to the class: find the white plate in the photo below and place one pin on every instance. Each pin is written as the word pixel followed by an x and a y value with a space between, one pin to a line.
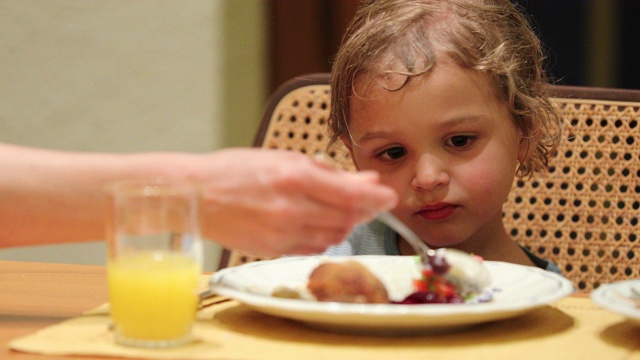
pixel 615 297
pixel 519 289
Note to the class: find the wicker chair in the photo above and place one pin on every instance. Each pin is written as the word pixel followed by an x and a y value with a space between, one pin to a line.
pixel 582 214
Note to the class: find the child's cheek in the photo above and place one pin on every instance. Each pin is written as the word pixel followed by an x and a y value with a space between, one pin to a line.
pixel 487 184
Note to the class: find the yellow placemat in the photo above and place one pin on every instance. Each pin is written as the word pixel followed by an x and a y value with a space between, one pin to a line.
pixel 573 328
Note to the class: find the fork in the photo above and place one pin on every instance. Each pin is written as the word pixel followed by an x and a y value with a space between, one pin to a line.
pixel 467 267
pixel 416 243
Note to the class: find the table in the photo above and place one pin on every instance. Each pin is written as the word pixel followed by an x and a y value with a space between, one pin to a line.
pixel 36 295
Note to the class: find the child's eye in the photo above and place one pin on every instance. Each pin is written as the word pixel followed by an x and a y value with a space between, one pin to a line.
pixel 393 153
pixel 460 140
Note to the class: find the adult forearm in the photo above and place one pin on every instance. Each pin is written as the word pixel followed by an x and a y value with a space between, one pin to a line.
pixel 260 201
pixel 58 197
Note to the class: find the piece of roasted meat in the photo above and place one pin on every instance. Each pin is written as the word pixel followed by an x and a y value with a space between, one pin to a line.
pixel 347 282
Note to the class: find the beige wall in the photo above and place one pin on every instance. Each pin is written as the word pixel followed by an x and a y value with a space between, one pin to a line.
pixel 120 75
pixel 245 78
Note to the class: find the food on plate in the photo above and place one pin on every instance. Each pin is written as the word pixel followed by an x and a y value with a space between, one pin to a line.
pixel 347 281
pixel 287 293
pixel 448 277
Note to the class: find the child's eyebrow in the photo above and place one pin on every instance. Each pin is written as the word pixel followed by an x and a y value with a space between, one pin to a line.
pixel 368 136
pixel 464 119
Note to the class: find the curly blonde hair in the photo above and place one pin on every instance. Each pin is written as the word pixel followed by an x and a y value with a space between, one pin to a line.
pixel 491 36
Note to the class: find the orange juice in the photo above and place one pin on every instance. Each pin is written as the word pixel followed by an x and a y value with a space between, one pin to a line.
pixel 153 295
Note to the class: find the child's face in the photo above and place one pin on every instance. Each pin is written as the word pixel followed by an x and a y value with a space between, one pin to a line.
pixel 447 145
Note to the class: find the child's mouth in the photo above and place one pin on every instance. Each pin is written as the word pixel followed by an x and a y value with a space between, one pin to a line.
pixel 437 212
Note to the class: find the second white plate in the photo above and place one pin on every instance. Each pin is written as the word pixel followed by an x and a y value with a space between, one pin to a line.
pixel 617 298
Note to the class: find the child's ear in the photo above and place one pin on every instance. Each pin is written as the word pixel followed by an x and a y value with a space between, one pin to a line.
pixel 347 143
pixel 528 144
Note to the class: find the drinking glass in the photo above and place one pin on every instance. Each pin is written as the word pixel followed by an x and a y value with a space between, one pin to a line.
pixel 154 261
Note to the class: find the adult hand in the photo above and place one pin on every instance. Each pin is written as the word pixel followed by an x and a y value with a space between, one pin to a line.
pixel 273 202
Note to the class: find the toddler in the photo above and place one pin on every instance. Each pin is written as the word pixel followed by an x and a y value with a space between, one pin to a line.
pixel 446 100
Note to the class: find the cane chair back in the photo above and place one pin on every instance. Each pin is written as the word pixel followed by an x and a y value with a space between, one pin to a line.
pixel 296 119
pixel 582 214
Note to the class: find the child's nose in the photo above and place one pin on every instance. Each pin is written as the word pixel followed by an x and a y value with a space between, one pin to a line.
pixel 430 174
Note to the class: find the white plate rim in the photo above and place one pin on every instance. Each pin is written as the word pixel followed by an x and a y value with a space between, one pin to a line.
pixel 612 296
pixel 392 315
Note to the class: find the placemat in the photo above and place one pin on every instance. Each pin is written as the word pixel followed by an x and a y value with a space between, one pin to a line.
pixel 573 328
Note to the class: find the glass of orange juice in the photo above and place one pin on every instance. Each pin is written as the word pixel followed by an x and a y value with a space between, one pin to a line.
pixel 154 261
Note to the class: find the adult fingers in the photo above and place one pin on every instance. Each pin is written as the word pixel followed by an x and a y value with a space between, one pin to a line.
pixel 360 190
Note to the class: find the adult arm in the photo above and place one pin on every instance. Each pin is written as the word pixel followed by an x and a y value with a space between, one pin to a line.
pixel 262 201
